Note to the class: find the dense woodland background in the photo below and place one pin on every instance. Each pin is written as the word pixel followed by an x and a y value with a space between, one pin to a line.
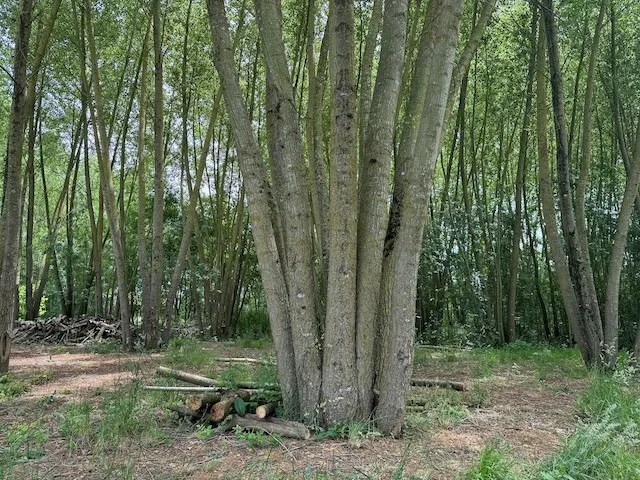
pixel 487 275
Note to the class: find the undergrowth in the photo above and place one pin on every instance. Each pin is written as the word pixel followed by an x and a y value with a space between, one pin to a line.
pixel 123 415
pixel 603 446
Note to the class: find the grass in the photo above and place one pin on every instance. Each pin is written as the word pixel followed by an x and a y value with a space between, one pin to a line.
pixel 123 416
pixel 23 443
pixel 11 387
pixel 183 352
pixel 603 446
pixel 493 464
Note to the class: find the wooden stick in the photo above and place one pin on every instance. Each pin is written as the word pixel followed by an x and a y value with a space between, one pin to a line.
pixel 273 426
pixel 244 360
pixel 428 382
pixel 162 388
pixel 266 410
pixel 210 382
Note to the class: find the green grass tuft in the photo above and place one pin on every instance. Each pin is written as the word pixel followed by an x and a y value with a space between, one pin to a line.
pixel 182 352
pixel 493 464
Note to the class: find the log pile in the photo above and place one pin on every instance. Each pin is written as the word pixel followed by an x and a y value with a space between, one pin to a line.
pixel 213 403
pixel 62 329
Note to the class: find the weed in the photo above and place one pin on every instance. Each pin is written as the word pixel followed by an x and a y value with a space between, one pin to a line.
pixel 11 387
pixel 594 451
pixel 256 439
pixel 493 464
pixel 607 398
pixel 75 426
pixel 438 408
pixel 125 415
pixel 205 432
pixel 116 471
pixel 24 442
pixel 106 346
pixel 477 396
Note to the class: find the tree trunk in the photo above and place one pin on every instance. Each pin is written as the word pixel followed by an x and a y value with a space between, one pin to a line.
pixel 11 208
pixel 259 201
pixel 579 266
pixel 412 184
pixel 106 180
pixel 522 158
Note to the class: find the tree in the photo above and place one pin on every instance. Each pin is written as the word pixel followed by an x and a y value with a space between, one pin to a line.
pixel 318 363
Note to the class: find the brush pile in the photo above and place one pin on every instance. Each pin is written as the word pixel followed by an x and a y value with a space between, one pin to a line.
pixel 62 329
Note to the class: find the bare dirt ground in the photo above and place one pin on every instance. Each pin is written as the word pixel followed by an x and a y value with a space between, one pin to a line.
pixel 529 416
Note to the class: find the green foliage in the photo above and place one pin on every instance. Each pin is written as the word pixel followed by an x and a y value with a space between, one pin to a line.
pixel 253 329
pixel 257 439
pixel 240 406
pixel 11 387
pixel 75 426
pixel 182 352
pixel 24 442
pixel 493 464
pixel 22 299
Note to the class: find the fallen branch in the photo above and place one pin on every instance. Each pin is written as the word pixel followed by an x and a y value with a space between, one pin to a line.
pixel 162 388
pixel 428 382
pixel 244 360
pixel 273 426
pixel 210 382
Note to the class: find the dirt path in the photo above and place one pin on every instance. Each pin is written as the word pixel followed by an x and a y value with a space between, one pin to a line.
pixel 75 374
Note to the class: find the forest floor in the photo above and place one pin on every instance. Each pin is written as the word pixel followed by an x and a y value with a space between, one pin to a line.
pixel 520 399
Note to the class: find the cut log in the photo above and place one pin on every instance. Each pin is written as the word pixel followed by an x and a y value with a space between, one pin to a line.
pixel 427 382
pixel 244 360
pixel 185 412
pixel 266 410
pixel 272 425
pixel 197 402
pixel 220 410
pixel 210 382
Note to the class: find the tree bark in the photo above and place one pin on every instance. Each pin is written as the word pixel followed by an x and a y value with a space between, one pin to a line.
pixel 339 375
pixel 259 199
pixel 373 214
pixel 511 333
pixel 412 185
pixel 106 179
pixel 579 266
pixel 11 193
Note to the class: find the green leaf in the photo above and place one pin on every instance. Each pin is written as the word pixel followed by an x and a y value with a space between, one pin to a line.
pixel 240 406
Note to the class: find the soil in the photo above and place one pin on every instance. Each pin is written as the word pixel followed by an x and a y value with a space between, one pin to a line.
pixel 528 416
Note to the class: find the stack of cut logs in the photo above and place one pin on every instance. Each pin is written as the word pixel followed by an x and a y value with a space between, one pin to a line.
pixel 62 329
pixel 214 403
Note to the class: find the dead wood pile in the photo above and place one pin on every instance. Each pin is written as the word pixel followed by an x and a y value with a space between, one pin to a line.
pixel 62 329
